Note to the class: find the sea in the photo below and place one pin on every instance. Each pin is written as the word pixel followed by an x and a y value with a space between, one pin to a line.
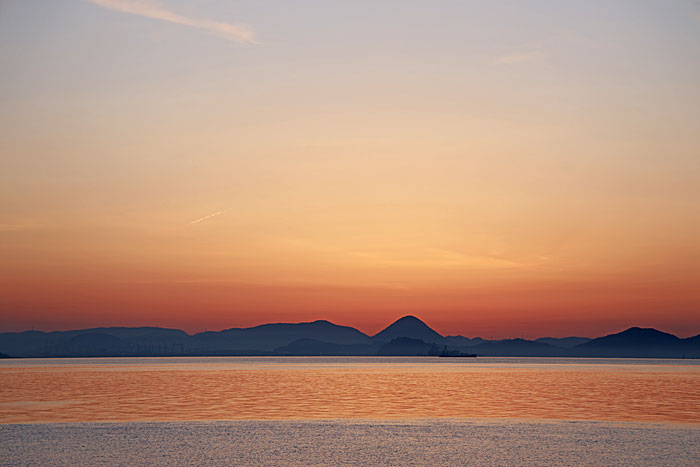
pixel 349 411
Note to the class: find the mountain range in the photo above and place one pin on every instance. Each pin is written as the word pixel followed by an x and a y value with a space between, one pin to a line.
pixel 406 336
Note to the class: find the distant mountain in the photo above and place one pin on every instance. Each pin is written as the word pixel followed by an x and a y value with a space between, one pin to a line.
pixel 135 333
pixel 272 336
pixel 95 342
pixel 406 346
pixel 695 340
pixel 2 355
pixel 24 344
pixel 407 336
pixel 517 347
pixel 634 337
pixel 564 342
pixel 121 341
pixel 315 347
pixel 408 326
pixel 461 341
pixel 640 342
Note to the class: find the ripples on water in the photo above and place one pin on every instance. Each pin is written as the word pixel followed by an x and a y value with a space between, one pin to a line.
pixel 348 442
pixel 234 388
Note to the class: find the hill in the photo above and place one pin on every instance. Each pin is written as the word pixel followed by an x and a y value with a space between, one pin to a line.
pixel 406 336
pixel 406 346
pixel 315 347
pixel 95 342
pixel 408 326
pixel 563 342
pixel 517 347
pixel 640 342
pixel 271 336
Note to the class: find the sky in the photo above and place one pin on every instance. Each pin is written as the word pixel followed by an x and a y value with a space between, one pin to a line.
pixel 500 169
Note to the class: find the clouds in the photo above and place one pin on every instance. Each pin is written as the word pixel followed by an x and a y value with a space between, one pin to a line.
pixel 153 10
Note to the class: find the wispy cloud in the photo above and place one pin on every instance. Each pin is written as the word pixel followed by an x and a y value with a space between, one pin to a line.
pixel 154 10
pixel 407 256
pixel 521 57
pixel 209 216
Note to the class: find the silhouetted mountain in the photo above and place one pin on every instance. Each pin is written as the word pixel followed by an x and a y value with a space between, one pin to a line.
pixel 126 333
pixel 406 346
pixel 640 342
pixel 316 347
pixel 272 336
pixel 564 342
pixel 407 336
pixel 95 342
pixel 2 355
pixel 634 337
pixel 408 326
pixel 461 341
pixel 23 344
pixel 517 348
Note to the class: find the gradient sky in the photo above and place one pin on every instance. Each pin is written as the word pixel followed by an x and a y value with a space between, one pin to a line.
pixel 505 168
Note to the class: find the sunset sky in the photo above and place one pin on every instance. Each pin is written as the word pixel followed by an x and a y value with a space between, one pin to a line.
pixel 502 169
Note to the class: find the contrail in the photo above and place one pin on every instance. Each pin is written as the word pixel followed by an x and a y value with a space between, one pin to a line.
pixel 150 9
pixel 213 214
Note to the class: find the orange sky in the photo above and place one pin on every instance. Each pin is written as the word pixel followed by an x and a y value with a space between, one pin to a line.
pixel 509 172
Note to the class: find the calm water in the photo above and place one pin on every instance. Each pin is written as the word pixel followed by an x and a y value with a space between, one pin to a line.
pixel 369 388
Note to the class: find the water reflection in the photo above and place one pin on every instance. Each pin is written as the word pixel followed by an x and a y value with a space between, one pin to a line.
pixel 325 388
